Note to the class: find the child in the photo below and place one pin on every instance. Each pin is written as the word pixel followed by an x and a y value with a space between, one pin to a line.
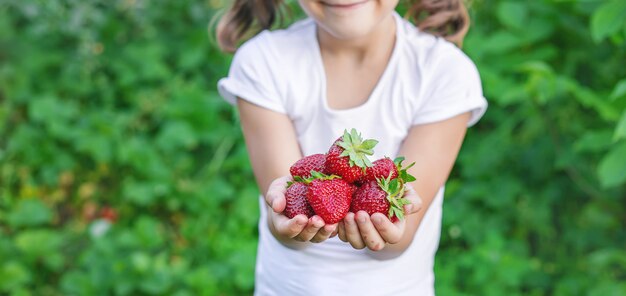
pixel 350 64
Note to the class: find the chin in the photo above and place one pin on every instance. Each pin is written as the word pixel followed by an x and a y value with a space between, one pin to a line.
pixel 348 22
pixel 348 32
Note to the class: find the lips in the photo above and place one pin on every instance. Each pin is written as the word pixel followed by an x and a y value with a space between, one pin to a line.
pixel 344 5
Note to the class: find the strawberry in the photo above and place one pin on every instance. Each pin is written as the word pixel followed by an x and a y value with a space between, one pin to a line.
pixel 296 200
pixel 330 197
pixel 303 167
pixel 381 168
pixel 347 156
pixel 370 198
pixel 381 196
pixel 385 167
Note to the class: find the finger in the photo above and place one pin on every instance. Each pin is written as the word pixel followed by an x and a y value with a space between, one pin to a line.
pixel 369 234
pixel 324 233
pixel 416 201
pixel 342 232
pixel 313 226
pixel 275 196
pixel 388 231
pixel 352 232
pixel 289 227
pixel 335 232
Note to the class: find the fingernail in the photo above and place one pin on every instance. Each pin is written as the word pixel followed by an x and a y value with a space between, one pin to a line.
pixel 377 220
pixel 361 218
pixel 409 208
pixel 318 222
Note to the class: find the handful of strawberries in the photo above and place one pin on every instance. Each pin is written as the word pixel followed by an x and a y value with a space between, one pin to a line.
pixel 342 180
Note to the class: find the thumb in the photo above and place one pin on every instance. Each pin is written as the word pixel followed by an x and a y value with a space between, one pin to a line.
pixel 275 196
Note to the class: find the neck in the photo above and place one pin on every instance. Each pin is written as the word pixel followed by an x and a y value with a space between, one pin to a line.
pixel 379 41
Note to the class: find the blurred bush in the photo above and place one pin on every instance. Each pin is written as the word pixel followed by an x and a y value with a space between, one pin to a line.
pixel 536 203
pixel 122 171
pixel 109 108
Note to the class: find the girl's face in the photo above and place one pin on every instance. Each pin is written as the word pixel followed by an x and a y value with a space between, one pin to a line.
pixel 348 19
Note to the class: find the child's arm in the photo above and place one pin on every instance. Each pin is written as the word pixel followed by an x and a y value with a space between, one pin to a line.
pixel 273 147
pixel 434 148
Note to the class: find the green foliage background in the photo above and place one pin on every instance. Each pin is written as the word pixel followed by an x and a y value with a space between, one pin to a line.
pixel 111 106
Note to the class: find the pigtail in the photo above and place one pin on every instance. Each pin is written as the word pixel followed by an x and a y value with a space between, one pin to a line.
pixel 445 18
pixel 244 18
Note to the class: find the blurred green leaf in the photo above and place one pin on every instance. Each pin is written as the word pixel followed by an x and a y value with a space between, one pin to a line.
pixel 620 130
pixel 177 135
pixel 612 168
pixel 38 243
pixel 594 141
pixel 513 14
pixel 619 90
pixel 29 212
pixel 50 109
pixel 13 275
pixel 608 19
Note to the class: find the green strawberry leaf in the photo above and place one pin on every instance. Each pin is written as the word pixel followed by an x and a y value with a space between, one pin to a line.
pixel 404 175
pixel 393 185
pixel 317 174
pixel 398 161
pixel 345 145
pixel 369 144
pixel 353 155
pixel 359 162
pixel 368 162
pixel 346 136
pixel 407 177
pixel 355 135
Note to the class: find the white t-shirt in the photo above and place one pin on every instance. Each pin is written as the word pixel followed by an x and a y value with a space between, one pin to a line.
pixel 426 80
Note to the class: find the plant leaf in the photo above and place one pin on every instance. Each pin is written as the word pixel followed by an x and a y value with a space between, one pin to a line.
pixel 612 168
pixel 619 90
pixel 620 129
pixel 369 144
pixel 608 19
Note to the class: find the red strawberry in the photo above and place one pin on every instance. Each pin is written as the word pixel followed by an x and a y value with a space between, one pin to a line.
pixel 330 198
pixel 381 168
pixel 385 167
pixel 347 157
pixel 303 167
pixel 296 201
pixel 382 196
pixel 370 198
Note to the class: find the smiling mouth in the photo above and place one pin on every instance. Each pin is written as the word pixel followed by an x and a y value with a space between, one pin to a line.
pixel 344 6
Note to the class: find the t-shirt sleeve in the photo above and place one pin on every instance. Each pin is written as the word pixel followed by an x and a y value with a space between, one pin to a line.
pixel 453 87
pixel 251 78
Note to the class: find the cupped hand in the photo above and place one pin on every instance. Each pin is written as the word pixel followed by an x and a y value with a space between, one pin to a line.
pixel 299 228
pixel 376 231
